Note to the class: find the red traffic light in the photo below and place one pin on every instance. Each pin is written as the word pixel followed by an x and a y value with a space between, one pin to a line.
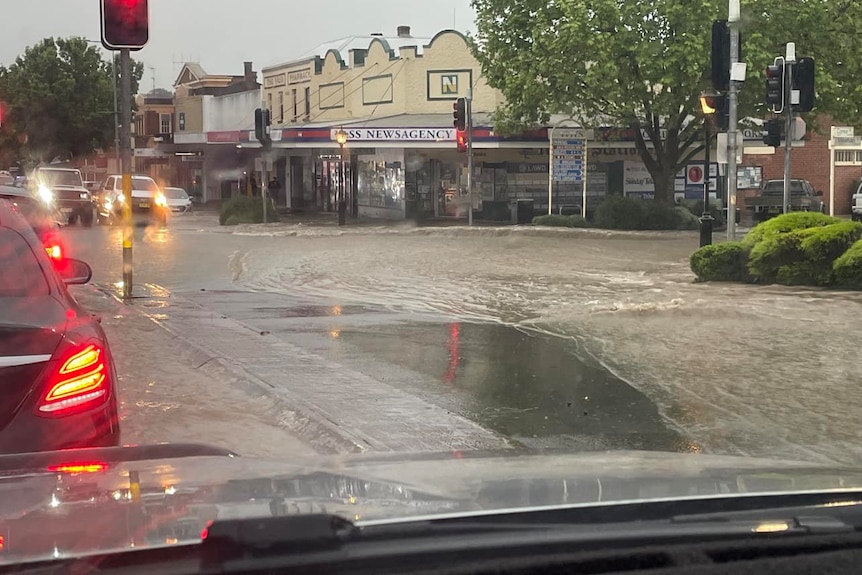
pixel 125 24
pixel 461 137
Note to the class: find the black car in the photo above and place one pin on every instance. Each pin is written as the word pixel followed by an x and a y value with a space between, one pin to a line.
pixel 42 218
pixel 57 375
pixel 63 188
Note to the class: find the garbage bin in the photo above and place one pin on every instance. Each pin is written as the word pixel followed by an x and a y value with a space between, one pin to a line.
pixel 738 215
pixel 522 212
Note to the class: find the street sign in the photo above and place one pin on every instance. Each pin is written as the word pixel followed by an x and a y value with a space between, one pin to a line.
pixel 569 148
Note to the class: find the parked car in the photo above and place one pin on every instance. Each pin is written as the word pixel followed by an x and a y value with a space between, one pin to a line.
pixel 148 202
pixel 178 200
pixel 56 368
pixel 856 202
pixel 770 201
pixel 63 188
pixel 42 218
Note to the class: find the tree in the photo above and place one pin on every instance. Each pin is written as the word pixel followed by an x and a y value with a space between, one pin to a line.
pixel 643 65
pixel 58 101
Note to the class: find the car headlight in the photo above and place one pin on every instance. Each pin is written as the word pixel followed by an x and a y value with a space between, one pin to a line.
pixel 45 194
pixel 161 201
pixel 121 198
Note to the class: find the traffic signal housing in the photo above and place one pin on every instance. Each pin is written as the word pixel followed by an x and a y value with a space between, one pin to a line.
pixel 772 134
pixel 720 54
pixel 262 120
pixel 460 114
pixel 715 107
pixel 803 80
pixel 125 24
pixel 461 138
pixel 775 85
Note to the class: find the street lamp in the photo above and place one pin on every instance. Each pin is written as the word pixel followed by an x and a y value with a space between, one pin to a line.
pixel 709 107
pixel 341 138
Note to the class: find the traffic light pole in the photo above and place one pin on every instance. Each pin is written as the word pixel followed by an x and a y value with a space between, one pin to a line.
pixel 126 158
pixel 470 156
pixel 788 128
pixel 732 119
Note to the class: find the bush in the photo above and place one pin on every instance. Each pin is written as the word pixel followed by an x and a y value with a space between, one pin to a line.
pixel 558 221
pixel 245 210
pixel 724 262
pixel 716 211
pixel 847 269
pixel 786 223
pixel 803 256
pixel 620 213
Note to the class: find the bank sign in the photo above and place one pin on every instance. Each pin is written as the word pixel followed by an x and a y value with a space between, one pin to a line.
pixel 397 134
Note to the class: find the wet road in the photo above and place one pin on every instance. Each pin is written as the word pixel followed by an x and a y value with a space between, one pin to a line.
pixel 486 337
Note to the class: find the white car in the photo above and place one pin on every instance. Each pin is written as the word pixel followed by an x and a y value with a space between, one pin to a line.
pixel 178 200
pixel 856 202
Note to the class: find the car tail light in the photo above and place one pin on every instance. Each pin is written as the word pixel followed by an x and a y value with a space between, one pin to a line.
pixel 78 467
pixel 81 381
pixel 55 252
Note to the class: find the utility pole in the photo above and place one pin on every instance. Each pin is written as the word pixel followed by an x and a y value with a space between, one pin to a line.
pixel 116 117
pixel 470 155
pixel 789 61
pixel 733 119
pixel 126 156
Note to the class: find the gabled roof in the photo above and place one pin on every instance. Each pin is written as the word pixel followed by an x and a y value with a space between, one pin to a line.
pixel 191 72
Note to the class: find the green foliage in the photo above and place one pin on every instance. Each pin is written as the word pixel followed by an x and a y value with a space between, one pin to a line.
pixel 245 210
pixel 556 220
pixel 723 262
pixel 59 101
pixel 620 213
pixel 847 268
pixel 786 223
pixel 642 65
pixel 715 211
pixel 802 256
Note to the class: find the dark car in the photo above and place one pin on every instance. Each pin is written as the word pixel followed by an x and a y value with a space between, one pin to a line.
pixel 57 374
pixel 41 217
pixel 63 188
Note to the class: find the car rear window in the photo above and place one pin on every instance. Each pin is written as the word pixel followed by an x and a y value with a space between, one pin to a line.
pixel 20 272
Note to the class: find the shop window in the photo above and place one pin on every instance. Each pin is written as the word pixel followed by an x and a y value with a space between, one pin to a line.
pixel 380 183
pixel 280 107
pixel 848 157
pixel 307 102
pixel 295 105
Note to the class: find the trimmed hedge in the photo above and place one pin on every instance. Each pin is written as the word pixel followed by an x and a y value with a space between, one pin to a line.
pixel 621 213
pixel 245 210
pixel 558 221
pixel 720 262
pixel 802 256
pixel 847 269
pixel 786 223
pixel 716 211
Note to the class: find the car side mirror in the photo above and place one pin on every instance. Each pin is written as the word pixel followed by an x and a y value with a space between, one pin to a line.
pixel 74 272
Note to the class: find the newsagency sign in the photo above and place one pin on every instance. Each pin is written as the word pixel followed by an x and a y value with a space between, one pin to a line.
pixel 397 134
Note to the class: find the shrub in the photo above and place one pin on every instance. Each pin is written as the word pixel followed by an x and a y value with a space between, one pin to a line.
pixel 802 256
pixel 723 262
pixel 245 210
pixel 620 213
pixel 715 210
pixel 556 220
pixel 685 219
pixel 823 245
pixel 847 268
pixel 786 223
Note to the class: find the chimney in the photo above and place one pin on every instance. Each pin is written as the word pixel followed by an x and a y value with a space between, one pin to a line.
pixel 404 32
pixel 249 71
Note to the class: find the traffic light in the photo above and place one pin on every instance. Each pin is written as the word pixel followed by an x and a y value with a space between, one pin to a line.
pixel 775 85
pixel 262 121
pixel 715 107
pixel 721 55
pixel 461 137
pixel 803 80
pixel 125 24
pixel 772 135
pixel 460 114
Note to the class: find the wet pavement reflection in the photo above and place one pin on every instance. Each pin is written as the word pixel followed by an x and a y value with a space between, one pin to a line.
pixel 530 387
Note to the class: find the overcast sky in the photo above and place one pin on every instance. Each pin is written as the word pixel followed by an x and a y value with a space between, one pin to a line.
pixel 221 34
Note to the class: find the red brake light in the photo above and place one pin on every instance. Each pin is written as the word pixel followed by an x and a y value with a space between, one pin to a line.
pixel 55 252
pixel 78 467
pixel 80 381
